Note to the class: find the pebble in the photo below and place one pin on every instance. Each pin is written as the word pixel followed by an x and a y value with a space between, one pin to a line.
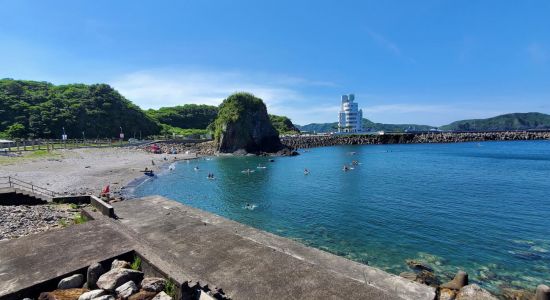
pixel 21 220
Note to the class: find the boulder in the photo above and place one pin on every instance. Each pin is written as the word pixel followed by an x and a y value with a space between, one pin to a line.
pixel 243 124
pixel 153 284
pixel 419 266
pixel 105 297
pixel 543 292
pixel 204 296
pixel 162 296
pixel 67 294
pixel 71 282
pixel 120 264
pixel 427 278
pixel 117 277
pixel 92 294
pixel 447 294
pixel 94 271
pixel 143 295
pixel 126 290
pixel 474 292
pixel 513 294
pixel 408 275
pixel 460 280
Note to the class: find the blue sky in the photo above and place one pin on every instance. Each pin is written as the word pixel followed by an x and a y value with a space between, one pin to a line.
pixel 427 62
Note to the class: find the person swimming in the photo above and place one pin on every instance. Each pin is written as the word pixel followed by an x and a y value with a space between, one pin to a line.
pixel 345 168
pixel 196 168
pixel 306 172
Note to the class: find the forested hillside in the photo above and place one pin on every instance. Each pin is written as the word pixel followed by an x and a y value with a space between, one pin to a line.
pixel 283 124
pixel 185 116
pixel 515 121
pixel 41 109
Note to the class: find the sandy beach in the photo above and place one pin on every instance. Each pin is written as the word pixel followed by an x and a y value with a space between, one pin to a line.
pixel 88 170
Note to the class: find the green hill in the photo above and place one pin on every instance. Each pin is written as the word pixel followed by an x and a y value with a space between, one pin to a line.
pixel 367 125
pixel 41 110
pixel 283 124
pixel 515 121
pixel 188 116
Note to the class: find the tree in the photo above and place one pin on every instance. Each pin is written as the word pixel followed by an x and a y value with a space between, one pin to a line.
pixel 16 130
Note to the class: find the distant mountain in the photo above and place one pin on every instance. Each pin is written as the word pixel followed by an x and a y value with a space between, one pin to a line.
pixel 367 125
pixel 515 121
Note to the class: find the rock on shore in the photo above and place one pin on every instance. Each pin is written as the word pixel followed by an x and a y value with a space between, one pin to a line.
pixel 21 220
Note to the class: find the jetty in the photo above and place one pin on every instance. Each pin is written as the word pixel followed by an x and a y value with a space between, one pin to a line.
pixel 196 249
pixel 311 141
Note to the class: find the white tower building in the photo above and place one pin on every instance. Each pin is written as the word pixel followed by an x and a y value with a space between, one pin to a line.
pixel 350 117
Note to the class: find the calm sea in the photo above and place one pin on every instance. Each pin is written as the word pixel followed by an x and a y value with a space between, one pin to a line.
pixel 480 207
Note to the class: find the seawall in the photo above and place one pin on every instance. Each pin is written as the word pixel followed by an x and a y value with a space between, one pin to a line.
pixel 412 138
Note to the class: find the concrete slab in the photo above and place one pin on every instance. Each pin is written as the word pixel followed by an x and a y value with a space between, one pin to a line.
pixel 248 263
pixel 34 259
pixel 191 245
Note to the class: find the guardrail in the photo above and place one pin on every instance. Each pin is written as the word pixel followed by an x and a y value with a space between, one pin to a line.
pixel 11 182
pixel 21 145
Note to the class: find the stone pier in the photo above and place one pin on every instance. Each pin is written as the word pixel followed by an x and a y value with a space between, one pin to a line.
pixel 191 245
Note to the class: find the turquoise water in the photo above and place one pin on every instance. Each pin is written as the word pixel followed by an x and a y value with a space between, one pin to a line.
pixel 480 207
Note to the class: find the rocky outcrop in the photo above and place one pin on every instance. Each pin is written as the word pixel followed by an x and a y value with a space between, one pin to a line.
pixel 243 124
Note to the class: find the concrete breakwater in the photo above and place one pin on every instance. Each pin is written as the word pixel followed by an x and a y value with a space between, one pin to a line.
pixel 412 138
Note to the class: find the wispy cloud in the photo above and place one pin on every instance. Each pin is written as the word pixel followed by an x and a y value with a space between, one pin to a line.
pixel 538 53
pixel 162 87
pixel 383 42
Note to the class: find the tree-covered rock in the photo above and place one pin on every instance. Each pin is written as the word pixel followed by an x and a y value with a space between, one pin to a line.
pixel 41 110
pixel 188 116
pixel 283 125
pixel 515 121
pixel 243 124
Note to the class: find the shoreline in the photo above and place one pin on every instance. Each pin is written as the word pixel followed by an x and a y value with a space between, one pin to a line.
pixel 87 171
pixel 119 165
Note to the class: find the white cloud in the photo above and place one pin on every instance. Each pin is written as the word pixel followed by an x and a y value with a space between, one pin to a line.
pixel 158 88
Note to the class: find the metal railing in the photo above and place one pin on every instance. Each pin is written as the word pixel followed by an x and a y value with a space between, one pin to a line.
pixel 11 182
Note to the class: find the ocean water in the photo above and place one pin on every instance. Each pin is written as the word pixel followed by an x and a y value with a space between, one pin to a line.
pixel 479 207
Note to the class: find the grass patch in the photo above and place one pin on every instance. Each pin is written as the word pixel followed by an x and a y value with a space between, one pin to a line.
pixel 80 219
pixel 136 264
pixel 170 288
pixel 63 223
pixel 37 154
pixel 73 206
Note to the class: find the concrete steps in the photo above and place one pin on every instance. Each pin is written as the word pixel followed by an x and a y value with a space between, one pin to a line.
pixel 16 196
